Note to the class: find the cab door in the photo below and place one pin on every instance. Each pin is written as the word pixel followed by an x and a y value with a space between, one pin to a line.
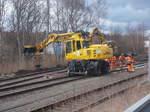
pixel 72 49
pixel 79 49
pixel 69 49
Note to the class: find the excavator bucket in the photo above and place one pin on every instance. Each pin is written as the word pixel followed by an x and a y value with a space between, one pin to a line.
pixel 29 50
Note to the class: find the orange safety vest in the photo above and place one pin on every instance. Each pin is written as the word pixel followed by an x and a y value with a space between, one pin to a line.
pixel 129 59
pixel 113 59
pixel 121 58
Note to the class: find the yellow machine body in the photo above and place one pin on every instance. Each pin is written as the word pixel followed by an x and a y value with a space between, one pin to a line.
pixel 76 47
pixel 83 56
pixel 90 52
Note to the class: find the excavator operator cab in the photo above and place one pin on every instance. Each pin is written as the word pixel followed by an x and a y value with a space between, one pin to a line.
pixel 74 45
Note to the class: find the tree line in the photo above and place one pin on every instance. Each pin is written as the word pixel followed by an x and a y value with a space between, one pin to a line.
pixel 29 21
pixel 25 22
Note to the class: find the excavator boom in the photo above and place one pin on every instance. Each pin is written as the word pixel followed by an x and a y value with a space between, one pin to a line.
pixel 52 38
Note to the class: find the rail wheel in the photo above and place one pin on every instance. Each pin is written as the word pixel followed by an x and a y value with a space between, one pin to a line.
pixel 105 67
pixel 71 67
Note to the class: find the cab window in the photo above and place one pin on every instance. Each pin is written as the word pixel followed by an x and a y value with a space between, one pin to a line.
pixel 68 47
pixel 78 45
pixel 73 45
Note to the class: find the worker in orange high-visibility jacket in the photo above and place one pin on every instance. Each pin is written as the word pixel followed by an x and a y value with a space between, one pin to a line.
pixel 130 62
pixel 121 60
pixel 113 62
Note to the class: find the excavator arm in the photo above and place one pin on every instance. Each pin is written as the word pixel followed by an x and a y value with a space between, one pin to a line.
pixel 52 38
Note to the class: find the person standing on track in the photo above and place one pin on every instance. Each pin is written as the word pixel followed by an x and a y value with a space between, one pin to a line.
pixel 121 61
pixel 113 62
pixel 130 62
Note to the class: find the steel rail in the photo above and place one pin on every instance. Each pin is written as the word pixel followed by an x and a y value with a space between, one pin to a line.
pixel 5 92
pixel 32 73
pixel 117 82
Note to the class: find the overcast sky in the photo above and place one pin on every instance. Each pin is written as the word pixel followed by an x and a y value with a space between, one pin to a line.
pixel 122 12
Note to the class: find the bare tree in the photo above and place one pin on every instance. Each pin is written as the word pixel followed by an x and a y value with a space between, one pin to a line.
pixel 19 12
pixel 2 13
pixel 99 12
pixel 30 18
pixel 78 14
pixel 25 16
pixel 48 16
pixel 71 15
pixel 141 29
pixel 2 17
pixel 136 37
pixel 132 41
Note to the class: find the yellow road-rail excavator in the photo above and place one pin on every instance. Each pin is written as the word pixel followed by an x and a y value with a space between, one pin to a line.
pixel 83 56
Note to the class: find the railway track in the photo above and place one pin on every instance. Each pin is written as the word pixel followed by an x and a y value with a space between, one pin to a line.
pixel 121 89
pixel 13 87
pixel 10 90
pixel 13 81
pixel 82 102
pixel 35 82
pixel 35 73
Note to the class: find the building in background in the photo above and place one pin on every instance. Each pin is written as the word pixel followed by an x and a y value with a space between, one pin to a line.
pixel 55 48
